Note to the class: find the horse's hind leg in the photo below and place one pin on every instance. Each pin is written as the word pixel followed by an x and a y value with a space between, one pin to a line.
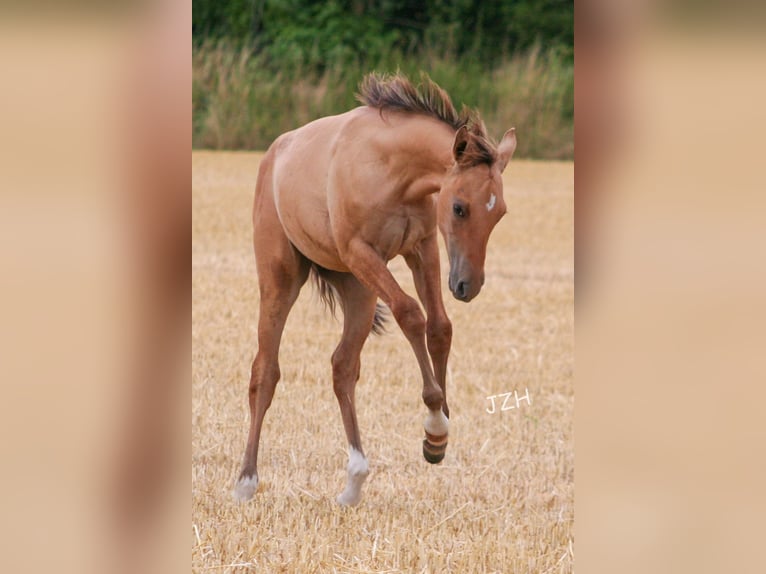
pixel 358 313
pixel 282 271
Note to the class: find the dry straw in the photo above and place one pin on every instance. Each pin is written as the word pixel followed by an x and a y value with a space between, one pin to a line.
pixel 502 500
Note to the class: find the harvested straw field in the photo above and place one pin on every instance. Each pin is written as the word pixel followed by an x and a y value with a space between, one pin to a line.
pixel 503 498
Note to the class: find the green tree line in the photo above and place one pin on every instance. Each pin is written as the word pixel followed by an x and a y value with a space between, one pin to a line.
pixel 318 32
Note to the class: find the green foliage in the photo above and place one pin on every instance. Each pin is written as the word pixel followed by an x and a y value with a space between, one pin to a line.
pixel 322 33
pixel 239 102
pixel 263 67
pixel 231 19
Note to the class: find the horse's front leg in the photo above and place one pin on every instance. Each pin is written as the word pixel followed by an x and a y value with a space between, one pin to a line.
pixel 368 266
pixel 425 271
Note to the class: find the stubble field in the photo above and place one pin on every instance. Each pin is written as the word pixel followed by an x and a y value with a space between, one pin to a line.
pixel 503 498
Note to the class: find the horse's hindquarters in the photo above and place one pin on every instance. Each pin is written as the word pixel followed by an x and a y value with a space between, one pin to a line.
pixel 301 169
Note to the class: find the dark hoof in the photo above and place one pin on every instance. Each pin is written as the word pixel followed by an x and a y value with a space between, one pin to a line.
pixel 433 453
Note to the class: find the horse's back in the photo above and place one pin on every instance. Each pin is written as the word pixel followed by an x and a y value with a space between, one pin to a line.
pixel 304 155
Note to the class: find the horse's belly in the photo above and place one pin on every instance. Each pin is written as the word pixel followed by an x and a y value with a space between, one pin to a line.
pixel 316 250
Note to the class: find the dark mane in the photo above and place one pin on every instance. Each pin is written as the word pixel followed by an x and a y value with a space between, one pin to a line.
pixel 396 92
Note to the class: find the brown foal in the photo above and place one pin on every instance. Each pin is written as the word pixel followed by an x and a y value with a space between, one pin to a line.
pixel 343 195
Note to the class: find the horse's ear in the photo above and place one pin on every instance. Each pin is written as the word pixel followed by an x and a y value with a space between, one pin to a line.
pixel 460 143
pixel 506 148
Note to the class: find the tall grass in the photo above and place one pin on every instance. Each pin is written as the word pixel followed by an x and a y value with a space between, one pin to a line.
pixel 241 100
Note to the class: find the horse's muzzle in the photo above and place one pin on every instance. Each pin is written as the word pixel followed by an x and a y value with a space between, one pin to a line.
pixel 463 289
pixel 466 278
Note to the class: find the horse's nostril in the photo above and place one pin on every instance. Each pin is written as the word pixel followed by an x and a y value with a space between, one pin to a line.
pixel 462 289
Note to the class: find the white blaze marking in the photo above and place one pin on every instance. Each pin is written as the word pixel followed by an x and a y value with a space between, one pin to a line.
pixel 436 423
pixel 491 202
pixel 358 469
pixel 246 488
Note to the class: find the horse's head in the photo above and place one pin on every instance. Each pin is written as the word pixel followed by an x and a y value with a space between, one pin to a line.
pixel 470 204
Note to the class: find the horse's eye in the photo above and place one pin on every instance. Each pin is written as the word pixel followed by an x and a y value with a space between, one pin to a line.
pixel 459 210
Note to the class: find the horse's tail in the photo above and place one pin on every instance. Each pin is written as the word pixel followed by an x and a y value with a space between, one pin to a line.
pixel 329 295
pixel 379 321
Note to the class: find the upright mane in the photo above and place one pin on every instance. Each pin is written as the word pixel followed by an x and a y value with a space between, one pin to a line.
pixel 397 92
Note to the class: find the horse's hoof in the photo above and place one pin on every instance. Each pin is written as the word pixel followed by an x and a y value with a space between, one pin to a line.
pixel 245 488
pixel 434 453
pixel 349 497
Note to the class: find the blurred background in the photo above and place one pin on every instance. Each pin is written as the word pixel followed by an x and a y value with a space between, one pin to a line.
pixel 671 271
pixel 263 67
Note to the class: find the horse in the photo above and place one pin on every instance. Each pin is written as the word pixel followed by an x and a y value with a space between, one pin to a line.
pixel 340 197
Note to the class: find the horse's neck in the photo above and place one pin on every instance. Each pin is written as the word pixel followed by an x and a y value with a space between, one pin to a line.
pixel 423 157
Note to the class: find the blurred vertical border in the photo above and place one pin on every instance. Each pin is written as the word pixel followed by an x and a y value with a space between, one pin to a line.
pixel 94 291
pixel 671 276
pixel 94 214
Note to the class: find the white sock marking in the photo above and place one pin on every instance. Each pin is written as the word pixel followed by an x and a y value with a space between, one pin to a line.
pixel 358 469
pixel 436 423
pixel 357 464
pixel 491 202
pixel 245 488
